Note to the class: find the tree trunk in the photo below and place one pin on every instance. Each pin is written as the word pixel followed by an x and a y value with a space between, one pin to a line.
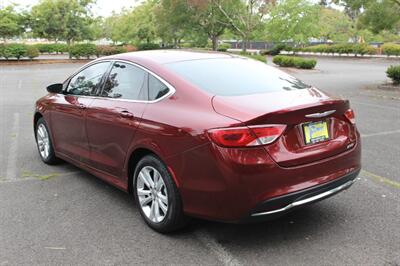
pixel 245 42
pixel 214 40
pixel 69 46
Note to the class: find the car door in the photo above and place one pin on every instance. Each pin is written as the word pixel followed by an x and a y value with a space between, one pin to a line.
pixel 114 116
pixel 69 111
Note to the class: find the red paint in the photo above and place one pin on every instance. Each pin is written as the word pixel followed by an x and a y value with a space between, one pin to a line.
pixel 215 182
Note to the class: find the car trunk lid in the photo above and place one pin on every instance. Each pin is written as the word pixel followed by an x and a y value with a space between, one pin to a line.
pixel 295 109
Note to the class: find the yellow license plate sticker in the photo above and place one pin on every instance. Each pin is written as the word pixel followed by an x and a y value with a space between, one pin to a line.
pixel 315 132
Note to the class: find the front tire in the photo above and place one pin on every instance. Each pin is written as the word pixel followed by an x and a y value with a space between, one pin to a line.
pixel 44 143
pixel 157 196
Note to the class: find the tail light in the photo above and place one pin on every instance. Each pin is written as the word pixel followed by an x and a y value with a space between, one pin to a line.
pixel 246 136
pixel 349 114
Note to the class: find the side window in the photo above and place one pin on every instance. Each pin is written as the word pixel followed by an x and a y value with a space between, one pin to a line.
pixel 125 82
pixel 88 80
pixel 157 89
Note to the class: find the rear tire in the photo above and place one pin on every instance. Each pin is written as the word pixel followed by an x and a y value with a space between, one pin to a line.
pixel 157 196
pixel 44 143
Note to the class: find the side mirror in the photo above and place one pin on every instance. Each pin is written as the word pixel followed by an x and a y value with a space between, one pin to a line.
pixel 55 88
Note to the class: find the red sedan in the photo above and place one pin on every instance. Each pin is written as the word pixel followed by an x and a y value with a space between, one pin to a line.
pixel 209 135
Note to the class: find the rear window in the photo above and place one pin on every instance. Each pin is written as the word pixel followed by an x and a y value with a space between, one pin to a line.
pixel 234 76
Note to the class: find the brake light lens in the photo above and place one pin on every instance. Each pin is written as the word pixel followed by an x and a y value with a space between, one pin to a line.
pixel 349 114
pixel 246 136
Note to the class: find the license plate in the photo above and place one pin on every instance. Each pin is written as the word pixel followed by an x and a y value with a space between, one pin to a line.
pixel 315 132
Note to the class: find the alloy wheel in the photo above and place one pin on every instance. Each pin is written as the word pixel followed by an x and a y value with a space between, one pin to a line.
pixel 152 194
pixel 43 141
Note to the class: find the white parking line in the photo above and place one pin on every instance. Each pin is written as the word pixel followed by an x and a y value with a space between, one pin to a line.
pixel 11 172
pixel 380 133
pixel 223 255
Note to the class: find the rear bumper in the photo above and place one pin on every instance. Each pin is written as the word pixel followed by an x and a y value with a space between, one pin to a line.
pixel 278 206
pixel 230 185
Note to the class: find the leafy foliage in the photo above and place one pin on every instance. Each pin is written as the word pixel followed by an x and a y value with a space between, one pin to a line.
pixel 148 46
pixel 11 22
pixel 32 52
pixel 344 48
pixel 292 61
pixel 293 20
pixel 224 47
pixel 391 49
pixel 67 20
pixel 13 50
pixel 393 72
pixel 52 48
pixel 82 50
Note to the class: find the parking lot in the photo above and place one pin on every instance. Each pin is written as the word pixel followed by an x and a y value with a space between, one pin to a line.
pixel 62 215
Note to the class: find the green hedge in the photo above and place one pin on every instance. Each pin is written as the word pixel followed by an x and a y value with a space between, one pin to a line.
pixel 391 49
pixel 223 47
pixel 104 50
pixel 344 48
pixel 292 61
pixel 148 46
pixel 18 51
pixel 82 50
pixel 393 72
pixel 32 52
pixel 50 48
pixel 276 49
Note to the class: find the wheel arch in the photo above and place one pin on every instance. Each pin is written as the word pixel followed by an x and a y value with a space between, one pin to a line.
pixel 134 159
pixel 36 118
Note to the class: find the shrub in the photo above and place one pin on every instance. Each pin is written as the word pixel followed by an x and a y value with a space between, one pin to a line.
pixel 130 48
pixel 148 46
pixel 2 47
pixel 32 52
pixel 393 72
pixel 223 47
pixel 277 49
pixel 104 50
pixel 391 49
pixel 186 45
pixel 14 50
pixel 342 48
pixel 82 50
pixel 52 48
pixel 292 61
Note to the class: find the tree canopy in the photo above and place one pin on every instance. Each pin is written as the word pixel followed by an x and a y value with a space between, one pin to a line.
pixel 204 22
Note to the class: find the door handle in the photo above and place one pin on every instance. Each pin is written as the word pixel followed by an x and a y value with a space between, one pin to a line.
pixel 126 114
pixel 82 106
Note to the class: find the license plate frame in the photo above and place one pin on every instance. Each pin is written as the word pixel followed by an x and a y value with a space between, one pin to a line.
pixel 315 132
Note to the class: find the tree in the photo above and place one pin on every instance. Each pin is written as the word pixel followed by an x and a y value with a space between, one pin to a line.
pixel 245 16
pixel 11 22
pixel 173 21
pixel 293 20
pixel 381 15
pixel 334 25
pixel 209 18
pixel 132 25
pixel 67 20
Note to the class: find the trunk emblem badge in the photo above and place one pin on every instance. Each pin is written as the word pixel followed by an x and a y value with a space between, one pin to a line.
pixel 319 115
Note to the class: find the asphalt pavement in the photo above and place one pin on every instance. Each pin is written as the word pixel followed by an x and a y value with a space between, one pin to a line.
pixel 60 215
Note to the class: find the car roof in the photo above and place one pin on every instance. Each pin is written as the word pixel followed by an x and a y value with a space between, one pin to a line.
pixel 169 56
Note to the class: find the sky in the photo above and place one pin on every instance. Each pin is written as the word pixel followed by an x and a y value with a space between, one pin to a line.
pixel 101 8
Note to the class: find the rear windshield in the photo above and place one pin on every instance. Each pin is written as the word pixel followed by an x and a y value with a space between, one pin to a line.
pixel 234 76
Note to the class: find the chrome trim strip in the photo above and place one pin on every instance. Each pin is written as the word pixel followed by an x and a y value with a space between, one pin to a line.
pixel 319 115
pixel 171 88
pixel 308 200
